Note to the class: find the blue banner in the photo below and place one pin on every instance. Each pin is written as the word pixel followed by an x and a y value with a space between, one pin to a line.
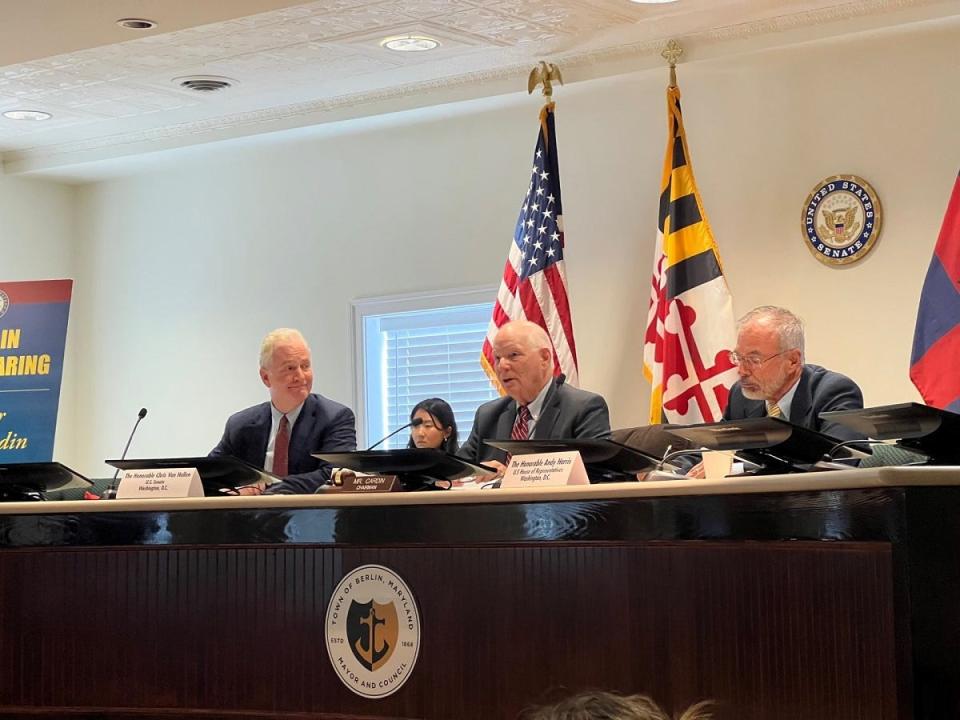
pixel 33 333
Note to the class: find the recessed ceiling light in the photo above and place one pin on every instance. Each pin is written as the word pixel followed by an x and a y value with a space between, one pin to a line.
pixel 410 43
pixel 136 23
pixel 27 115
pixel 652 2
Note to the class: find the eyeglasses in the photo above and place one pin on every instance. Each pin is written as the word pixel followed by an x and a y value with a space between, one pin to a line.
pixel 752 361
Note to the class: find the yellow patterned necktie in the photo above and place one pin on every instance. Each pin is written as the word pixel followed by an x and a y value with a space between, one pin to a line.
pixel 773 410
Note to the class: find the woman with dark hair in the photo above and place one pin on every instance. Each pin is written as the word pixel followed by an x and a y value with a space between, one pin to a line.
pixel 437 427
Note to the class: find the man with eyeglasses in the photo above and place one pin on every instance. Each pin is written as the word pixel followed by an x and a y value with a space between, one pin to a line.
pixel 775 381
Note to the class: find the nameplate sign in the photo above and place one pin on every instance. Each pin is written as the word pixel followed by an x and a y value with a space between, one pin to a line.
pixel 545 470
pixel 161 483
pixel 350 481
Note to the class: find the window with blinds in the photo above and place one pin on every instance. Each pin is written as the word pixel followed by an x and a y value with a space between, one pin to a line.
pixel 416 354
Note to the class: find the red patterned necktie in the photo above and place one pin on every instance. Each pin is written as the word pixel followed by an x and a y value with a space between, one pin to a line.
pixel 521 426
pixel 281 446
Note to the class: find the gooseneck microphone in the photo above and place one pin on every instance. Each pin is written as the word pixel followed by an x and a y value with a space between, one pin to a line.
pixel 111 491
pixel 416 422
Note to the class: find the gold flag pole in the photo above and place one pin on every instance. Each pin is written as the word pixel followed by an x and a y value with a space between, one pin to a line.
pixel 671 53
pixel 544 74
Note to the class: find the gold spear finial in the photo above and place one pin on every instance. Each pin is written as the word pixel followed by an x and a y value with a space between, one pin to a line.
pixel 544 74
pixel 671 53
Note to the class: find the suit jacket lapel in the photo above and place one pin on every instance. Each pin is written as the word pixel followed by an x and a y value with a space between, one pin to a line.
pixel 755 408
pixel 260 429
pixel 802 404
pixel 548 413
pixel 300 433
pixel 506 420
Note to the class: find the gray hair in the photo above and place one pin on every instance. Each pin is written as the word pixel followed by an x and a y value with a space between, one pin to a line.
pixel 788 326
pixel 598 705
pixel 274 338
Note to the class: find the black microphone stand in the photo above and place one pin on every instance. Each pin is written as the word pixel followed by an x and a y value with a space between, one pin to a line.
pixel 416 422
pixel 111 492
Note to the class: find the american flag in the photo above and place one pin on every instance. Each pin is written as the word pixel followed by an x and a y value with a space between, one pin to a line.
pixel 534 285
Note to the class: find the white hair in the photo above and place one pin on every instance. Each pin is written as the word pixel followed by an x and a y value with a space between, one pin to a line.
pixel 274 338
pixel 788 326
pixel 534 336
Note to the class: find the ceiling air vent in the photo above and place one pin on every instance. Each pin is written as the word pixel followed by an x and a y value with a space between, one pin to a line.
pixel 136 23
pixel 205 83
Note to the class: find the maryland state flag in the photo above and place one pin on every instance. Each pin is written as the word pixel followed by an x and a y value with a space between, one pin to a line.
pixel 690 325
pixel 936 339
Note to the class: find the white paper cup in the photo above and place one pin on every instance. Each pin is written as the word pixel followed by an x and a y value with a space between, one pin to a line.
pixel 717 463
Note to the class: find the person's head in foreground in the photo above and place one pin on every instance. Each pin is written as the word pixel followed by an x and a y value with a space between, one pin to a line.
pixel 600 705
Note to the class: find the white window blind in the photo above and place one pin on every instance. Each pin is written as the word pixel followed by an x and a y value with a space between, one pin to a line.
pixel 412 355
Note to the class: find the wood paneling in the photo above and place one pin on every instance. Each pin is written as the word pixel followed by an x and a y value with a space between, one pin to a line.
pixel 820 605
pixel 787 630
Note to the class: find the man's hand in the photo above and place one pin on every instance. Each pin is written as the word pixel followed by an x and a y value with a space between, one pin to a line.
pixel 497 465
pixel 250 490
pixel 490 477
pixel 697 471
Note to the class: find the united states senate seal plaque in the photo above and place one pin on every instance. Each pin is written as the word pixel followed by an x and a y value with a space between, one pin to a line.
pixel 841 219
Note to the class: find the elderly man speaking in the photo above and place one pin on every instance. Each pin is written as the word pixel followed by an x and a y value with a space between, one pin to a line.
pixel 537 404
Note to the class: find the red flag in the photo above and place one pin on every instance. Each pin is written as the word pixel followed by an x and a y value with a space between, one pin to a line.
pixel 936 339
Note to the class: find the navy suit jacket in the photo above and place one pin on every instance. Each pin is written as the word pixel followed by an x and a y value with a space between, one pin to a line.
pixel 818 390
pixel 567 413
pixel 322 426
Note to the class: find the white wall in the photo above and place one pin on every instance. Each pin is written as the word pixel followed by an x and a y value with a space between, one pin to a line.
pixel 184 269
pixel 37 243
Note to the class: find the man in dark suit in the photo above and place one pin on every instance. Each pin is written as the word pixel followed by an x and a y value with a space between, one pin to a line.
pixel 818 390
pixel 537 405
pixel 775 381
pixel 279 436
